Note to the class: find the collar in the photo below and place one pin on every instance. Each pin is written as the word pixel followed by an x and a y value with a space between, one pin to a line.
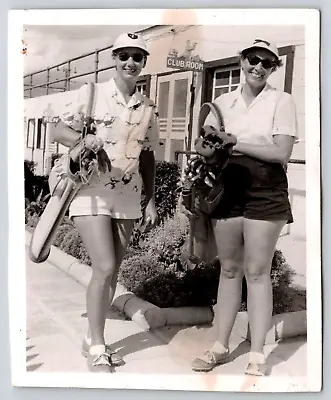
pixel 236 94
pixel 136 99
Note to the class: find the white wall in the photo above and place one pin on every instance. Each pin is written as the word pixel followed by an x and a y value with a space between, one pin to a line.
pixel 214 42
pixel 298 92
pixel 297 192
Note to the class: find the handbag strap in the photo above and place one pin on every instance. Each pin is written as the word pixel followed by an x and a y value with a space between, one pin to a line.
pixel 205 109
pixel 89 108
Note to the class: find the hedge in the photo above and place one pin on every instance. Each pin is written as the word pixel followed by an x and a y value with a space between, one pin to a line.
pixel 159 272
pixel 35 186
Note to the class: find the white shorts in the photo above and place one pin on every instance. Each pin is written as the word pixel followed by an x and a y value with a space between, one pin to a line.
pixel 116 205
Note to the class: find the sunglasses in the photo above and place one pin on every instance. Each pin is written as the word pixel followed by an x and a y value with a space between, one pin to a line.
pixel 136 57
pixel 255 60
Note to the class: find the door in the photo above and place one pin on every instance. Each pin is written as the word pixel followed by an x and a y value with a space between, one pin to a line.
pixel 173 100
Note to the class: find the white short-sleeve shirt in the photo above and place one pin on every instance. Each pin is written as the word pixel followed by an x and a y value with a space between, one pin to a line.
pixel 126 129
pixel 271 113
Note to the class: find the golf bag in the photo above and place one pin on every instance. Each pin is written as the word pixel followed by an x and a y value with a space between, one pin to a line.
pixel 66 178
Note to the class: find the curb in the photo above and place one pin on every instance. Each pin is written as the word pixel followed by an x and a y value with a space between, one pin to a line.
pixel 283 326
pixel 149 317
pixel 144 314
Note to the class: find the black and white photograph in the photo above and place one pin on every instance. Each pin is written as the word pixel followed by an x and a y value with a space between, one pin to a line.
pixel 168 177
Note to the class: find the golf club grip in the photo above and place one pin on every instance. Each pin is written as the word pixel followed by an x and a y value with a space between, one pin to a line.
pixel 89 108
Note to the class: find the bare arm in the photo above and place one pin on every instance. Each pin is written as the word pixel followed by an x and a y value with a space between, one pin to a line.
pixel 147 172
pixel 63 134
pixel 278 152
pixel 67 127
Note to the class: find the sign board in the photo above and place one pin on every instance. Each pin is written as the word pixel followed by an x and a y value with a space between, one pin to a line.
pixel 184 64
pixel 185 61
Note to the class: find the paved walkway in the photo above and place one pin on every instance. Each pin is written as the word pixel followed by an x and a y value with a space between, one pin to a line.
pixel 56 323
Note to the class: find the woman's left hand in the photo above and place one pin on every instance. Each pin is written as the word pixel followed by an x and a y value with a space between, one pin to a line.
pixel 150 216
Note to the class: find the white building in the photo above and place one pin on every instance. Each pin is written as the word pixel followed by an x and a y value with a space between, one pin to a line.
pixel 171 89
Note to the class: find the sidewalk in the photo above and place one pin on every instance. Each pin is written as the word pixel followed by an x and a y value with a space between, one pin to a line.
pixel 56 324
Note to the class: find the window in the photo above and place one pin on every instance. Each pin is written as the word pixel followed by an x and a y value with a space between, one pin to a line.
pixel 144 84
pixel 41 134
pixel 163 99
pixel 180 98
pixel 176 145
pixel 225 80
pixel 31 131
pixel 142 87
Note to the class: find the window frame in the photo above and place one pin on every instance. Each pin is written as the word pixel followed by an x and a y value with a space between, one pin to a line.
pixel 30 120
pixel 145 80
pixel 41 134
pixel 229 68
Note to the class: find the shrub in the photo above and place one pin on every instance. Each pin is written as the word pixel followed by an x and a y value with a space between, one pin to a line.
pixel 35 186
pixel 167 178
pixel 29 180
pixel 281 279
pixel 159 272
pixel 196 287
pixel 40 186
pixel 166 188
pixel 34 209
pixel 68 239
pixel 29 165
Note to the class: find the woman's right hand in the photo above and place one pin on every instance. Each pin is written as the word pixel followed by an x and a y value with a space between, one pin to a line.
pixel 92 142
pixel 95 144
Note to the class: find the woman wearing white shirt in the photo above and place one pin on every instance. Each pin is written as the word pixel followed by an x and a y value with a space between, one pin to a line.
pixel 255 207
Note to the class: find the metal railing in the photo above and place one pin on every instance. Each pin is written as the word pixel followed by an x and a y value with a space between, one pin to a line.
pixel 68 71
pixel 189 153
pixel 69 76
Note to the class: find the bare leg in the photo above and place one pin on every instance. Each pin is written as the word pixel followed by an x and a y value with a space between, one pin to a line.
pixel 121 230
pixel 97 235
pixel 229 240
pixel 260 238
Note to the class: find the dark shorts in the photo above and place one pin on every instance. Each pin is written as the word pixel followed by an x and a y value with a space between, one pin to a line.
pixel 254 189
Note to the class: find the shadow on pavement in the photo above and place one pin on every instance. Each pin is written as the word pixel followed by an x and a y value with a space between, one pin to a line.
pixel 112 313
pixel 143 340
pixel 284 350
pixel 33 367
pixel 29 357
pixel 240 350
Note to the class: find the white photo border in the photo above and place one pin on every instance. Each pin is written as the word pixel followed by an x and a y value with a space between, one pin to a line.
pixel 16 257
